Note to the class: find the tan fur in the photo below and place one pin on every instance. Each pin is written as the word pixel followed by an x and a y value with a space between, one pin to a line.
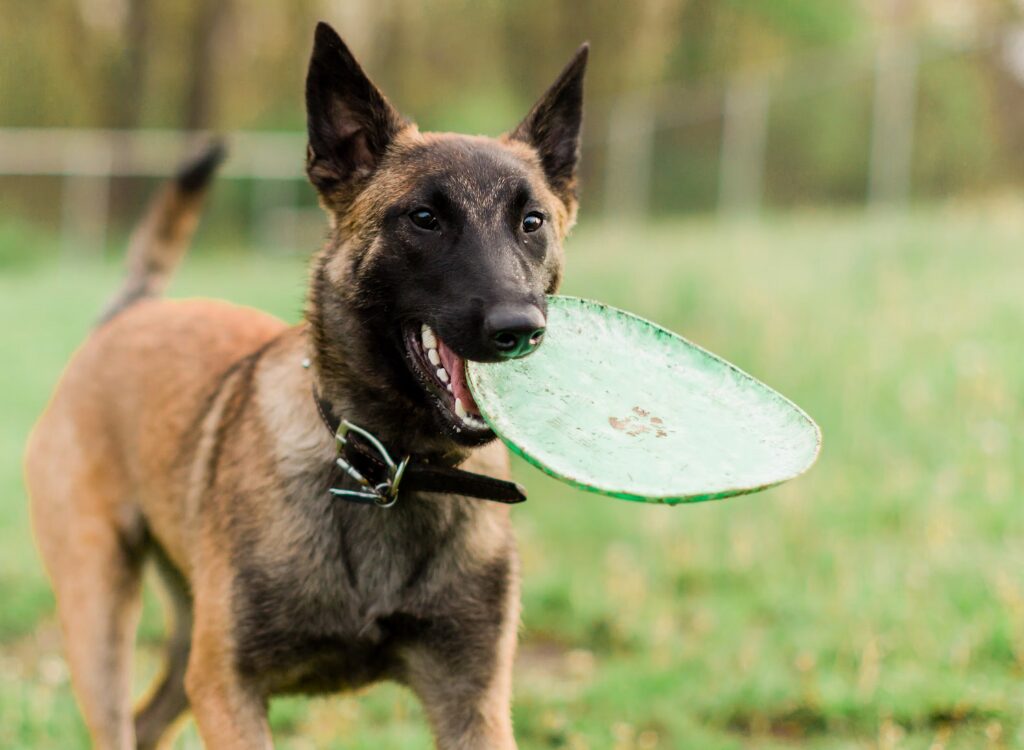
pixel 99 457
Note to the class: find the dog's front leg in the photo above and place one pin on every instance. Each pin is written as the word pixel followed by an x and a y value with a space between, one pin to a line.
pixel 230 714
pixel 464 679
pixel 467 700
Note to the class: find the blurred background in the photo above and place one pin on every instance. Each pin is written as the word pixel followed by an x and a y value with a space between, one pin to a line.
pixel 829 193
pixel 694 106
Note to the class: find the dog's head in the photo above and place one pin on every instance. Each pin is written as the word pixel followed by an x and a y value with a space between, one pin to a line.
pixel 443 246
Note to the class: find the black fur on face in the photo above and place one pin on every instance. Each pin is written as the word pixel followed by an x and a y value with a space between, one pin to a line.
pixel 439 241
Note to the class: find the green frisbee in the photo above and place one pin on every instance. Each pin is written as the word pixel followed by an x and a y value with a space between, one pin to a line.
pixel 615 404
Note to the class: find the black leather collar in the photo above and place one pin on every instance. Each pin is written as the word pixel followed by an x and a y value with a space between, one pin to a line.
pixel 417 475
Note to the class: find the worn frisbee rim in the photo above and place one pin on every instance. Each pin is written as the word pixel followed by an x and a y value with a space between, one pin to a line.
pixel 478 373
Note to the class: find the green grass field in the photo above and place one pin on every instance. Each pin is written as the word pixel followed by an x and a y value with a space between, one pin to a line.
pixel 877 602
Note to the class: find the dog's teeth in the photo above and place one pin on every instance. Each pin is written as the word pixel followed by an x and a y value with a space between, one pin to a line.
pixel 449 387
pixel 460 410
pixel 472 421
pixel 434 357
pixel 442 374
pixel 429 339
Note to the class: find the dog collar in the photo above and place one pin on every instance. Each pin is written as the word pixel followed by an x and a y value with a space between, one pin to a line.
pixel 365 459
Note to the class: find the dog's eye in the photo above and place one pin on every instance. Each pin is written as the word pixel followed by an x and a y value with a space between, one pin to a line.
pixel 532 221
pixel 424 218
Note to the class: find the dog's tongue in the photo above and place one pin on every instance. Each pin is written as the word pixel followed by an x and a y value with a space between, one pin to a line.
pixel 456 368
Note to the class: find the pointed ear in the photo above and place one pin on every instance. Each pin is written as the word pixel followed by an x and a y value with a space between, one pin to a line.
pixel 349 121
pixel 553 126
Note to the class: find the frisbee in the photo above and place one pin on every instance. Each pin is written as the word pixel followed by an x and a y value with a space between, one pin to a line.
pixel 615 404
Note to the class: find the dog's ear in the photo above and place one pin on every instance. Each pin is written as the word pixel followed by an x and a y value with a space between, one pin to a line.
pixel 553 126
pixel 349 121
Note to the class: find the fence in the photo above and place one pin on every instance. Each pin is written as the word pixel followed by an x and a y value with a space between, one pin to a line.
pixel 623 131
pixel 87 161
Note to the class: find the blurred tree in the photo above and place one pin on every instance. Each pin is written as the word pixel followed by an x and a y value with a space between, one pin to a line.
pixel 125 92
pixel 201 72
pixel 1003 65
pixel 125 87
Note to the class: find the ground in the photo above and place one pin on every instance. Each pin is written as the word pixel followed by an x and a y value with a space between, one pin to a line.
pixel 877 602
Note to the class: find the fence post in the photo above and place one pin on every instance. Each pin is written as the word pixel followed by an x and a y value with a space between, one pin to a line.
pixel 892 126
pixel 85 201
pixel 744 140
pixel 628 158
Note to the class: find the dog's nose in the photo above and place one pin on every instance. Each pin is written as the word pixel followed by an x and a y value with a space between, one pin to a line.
pixel 514 330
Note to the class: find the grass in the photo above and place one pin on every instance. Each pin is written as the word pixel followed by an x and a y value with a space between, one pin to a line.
pixel 877 602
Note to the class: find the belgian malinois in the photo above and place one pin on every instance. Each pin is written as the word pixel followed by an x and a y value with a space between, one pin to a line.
pixel 192 433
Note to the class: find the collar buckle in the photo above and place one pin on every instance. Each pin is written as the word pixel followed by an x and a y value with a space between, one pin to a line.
pixel 384 494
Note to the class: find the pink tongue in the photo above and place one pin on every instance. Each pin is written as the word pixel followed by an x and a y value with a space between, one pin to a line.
pixel 456 368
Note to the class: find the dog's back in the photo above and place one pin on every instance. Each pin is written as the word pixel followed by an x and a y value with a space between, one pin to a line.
pixel 130 395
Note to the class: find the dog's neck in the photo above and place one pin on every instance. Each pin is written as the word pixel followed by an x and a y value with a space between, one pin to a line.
pixel 348 373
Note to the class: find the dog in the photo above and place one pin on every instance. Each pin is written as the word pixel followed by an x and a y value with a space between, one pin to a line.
pixel 224 445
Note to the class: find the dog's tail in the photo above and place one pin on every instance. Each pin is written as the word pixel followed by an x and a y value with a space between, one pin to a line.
pixel 162 237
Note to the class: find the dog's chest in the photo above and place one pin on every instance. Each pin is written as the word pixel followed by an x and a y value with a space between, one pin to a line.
pixel 335 609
